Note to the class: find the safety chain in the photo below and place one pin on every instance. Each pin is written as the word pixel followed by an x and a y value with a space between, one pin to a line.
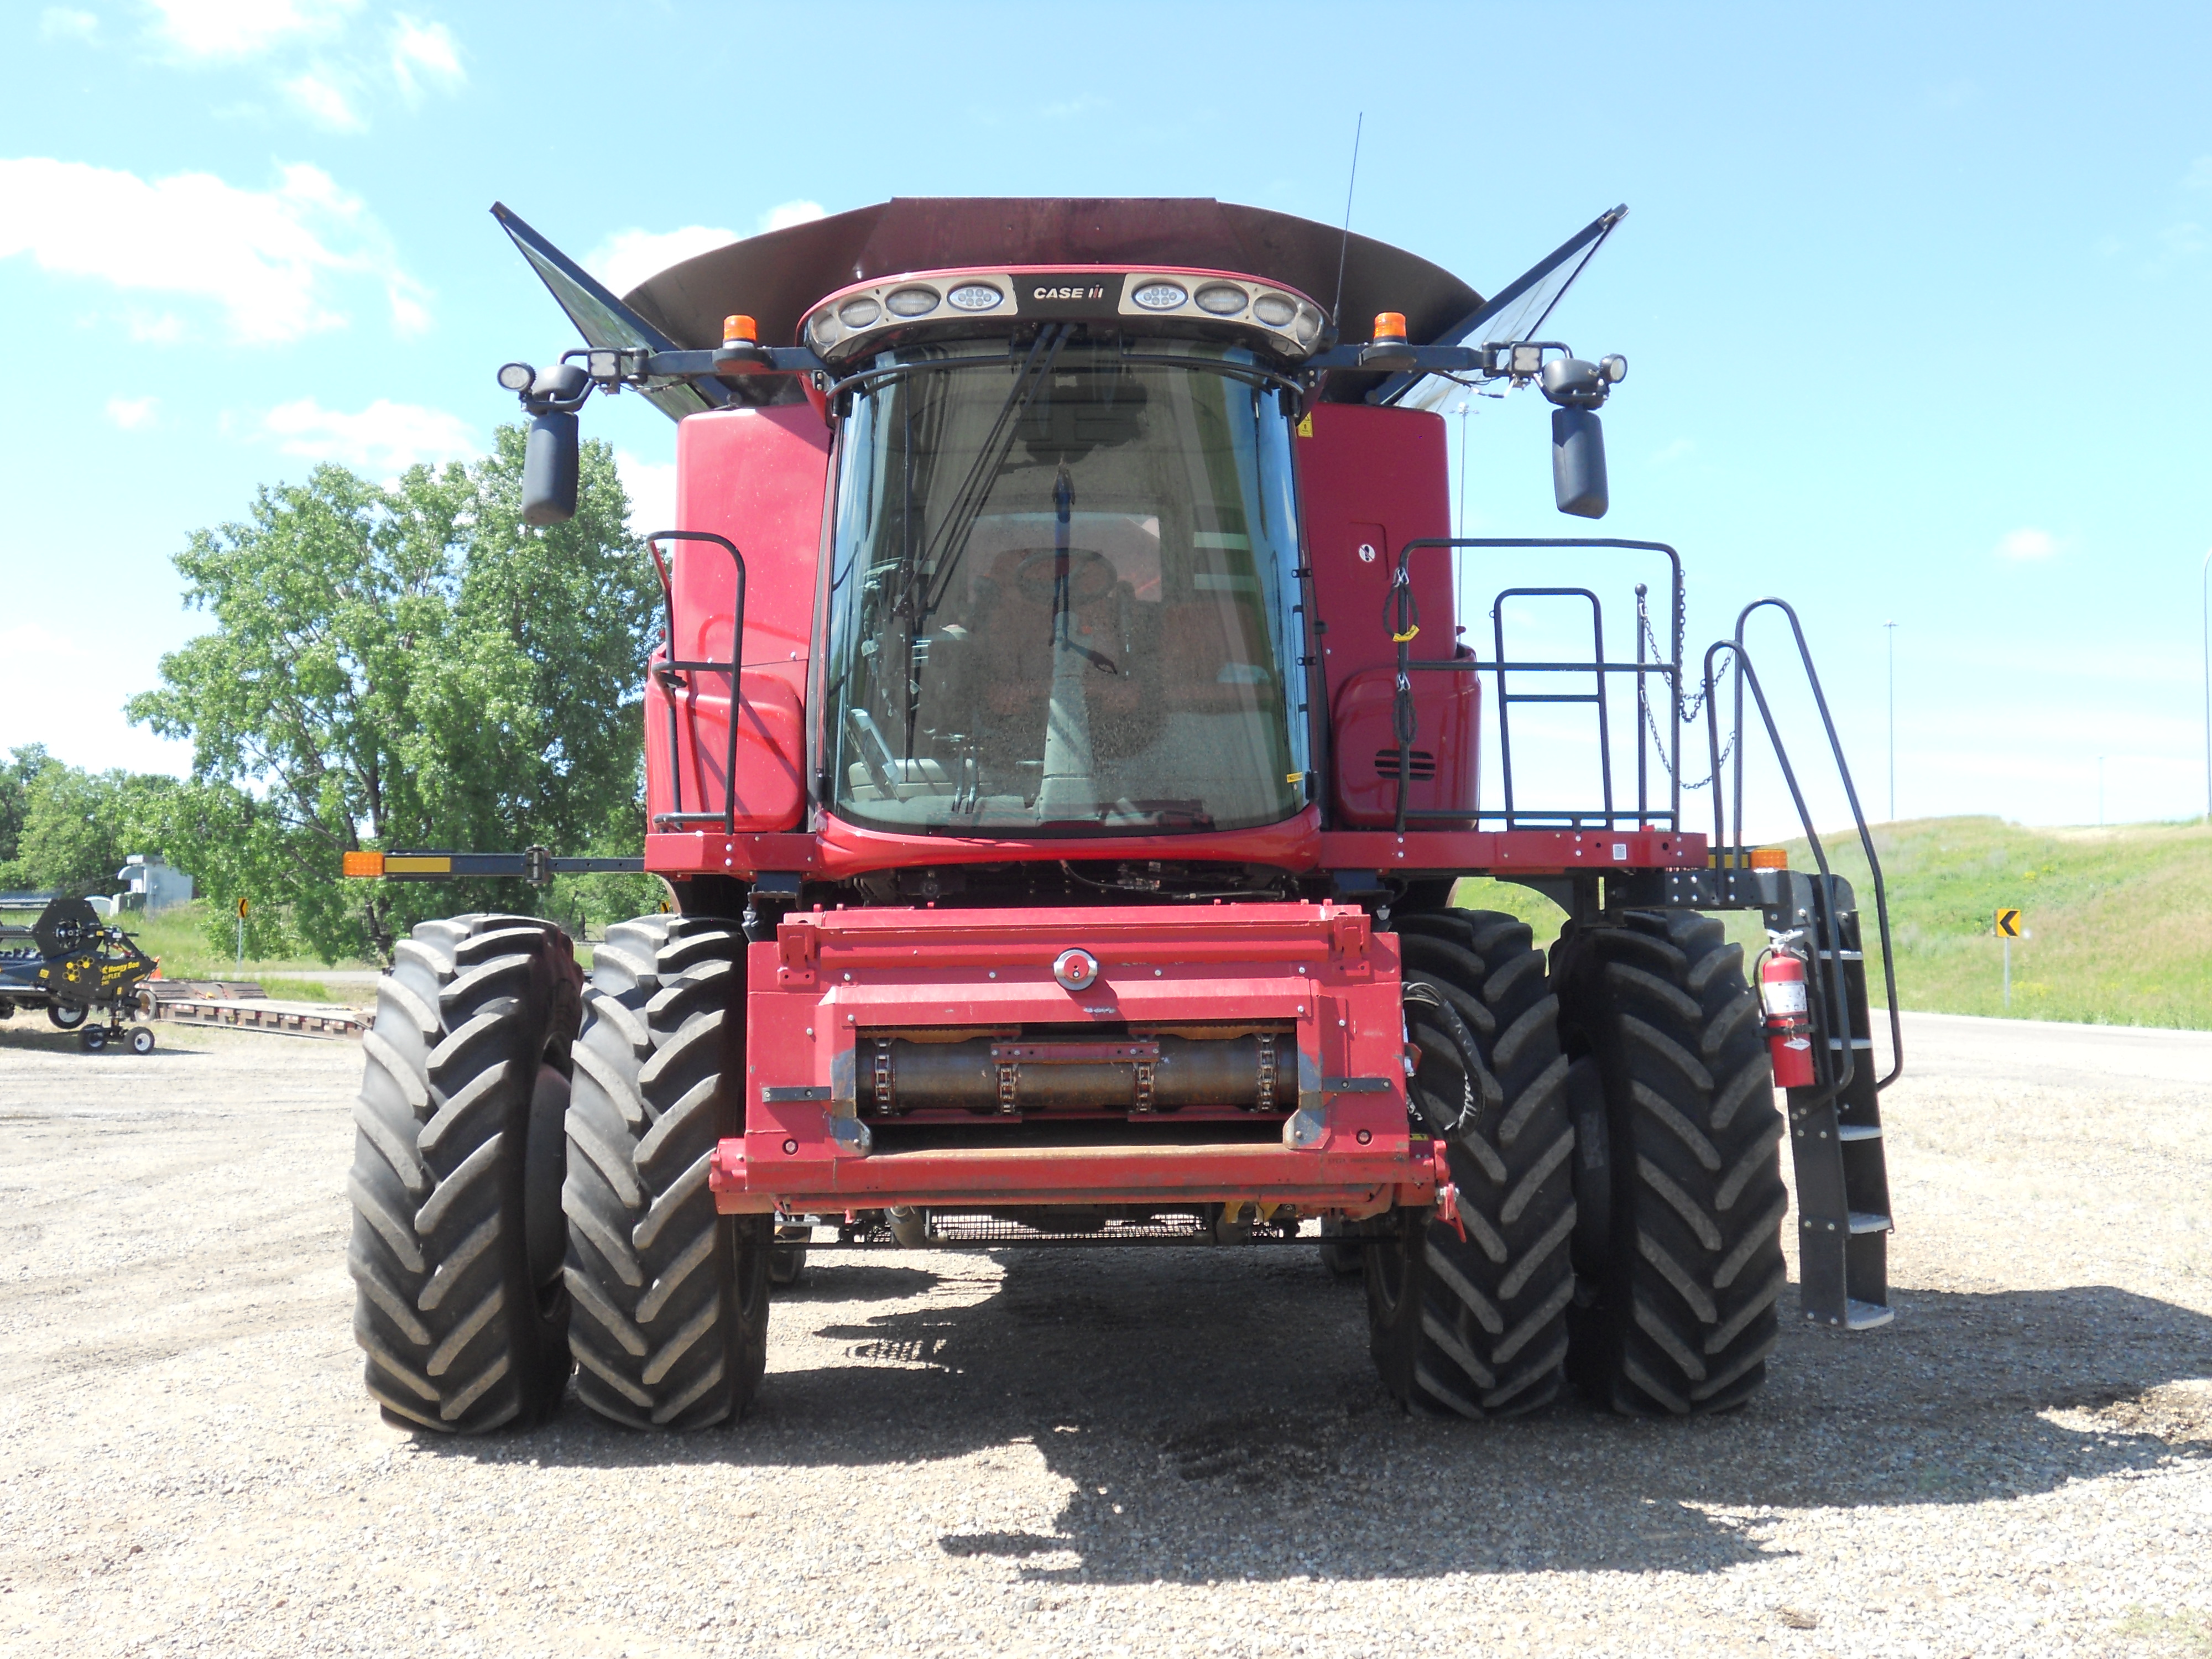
pixel 1687 710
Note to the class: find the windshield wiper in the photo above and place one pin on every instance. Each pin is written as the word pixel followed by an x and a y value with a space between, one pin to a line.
pixel 975 489
pixel 951 542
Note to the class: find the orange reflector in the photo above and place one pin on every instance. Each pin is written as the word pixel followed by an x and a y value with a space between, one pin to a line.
pixel 741 329
pixel 1389 325
pixel 364 864
pixel 1770 858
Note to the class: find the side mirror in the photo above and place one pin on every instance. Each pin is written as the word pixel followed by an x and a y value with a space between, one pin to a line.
pixel 550 469
pixel 1577 462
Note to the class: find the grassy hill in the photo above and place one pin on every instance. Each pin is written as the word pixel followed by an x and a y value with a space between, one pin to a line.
pixel 2119 919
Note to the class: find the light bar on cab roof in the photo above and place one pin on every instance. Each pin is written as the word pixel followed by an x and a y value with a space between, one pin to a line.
pixel 939 304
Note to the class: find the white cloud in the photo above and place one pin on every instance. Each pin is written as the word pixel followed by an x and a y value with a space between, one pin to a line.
pixel 245 28
pixel 270 260
pixel 2199 176
pixel 65 22
pixel 155 327
pixel 424 53
pixel 317 96
pixel 384 438
pixel 2027 544
pixel 132 413
pixel 651 486
pixel 789 213
pixel 628 257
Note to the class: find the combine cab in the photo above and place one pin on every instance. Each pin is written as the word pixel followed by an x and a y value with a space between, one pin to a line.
pixel 1060 751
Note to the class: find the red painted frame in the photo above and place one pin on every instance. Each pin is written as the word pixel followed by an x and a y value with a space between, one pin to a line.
pixel 1297 845
pixel 831 977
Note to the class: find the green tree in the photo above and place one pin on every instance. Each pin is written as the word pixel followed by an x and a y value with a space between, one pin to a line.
pixel 404 666
pixel 76 827
pixel 16 777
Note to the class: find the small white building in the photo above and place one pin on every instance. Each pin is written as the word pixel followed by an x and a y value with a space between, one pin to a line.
pixel 153 883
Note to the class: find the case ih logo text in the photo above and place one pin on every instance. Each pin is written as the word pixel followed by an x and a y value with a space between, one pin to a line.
pixel 1095 291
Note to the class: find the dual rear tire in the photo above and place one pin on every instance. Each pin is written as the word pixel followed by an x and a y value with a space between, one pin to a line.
pixel 670 1328
pixel 1615 1147
pixel 529 1179
pixel 1469 1320
pixel 457 1234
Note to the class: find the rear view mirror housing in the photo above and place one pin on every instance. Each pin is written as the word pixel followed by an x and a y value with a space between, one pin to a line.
pixel 550 469
pixel 1578 463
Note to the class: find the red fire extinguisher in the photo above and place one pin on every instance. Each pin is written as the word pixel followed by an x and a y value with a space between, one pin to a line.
pixel 1789 1011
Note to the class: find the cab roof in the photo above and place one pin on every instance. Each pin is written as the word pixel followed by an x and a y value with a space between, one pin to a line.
pixel 776 276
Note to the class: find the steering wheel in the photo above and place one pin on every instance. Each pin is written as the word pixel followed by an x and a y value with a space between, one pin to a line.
pixel 1090 575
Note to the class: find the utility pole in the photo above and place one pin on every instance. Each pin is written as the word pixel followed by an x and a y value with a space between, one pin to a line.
pixel 2204 610
pixel 1890 629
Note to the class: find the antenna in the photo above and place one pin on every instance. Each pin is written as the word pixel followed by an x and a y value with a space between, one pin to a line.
pixel 1344 246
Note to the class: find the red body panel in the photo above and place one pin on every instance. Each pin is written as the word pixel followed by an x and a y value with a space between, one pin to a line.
pixel 1376 479
pixel 757 476
pixel 1524 851
pixel 848 849
pixel 831 978
pixel 1364 746
pixel 1527 852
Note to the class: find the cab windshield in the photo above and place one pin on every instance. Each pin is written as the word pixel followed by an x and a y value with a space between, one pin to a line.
pixel 1062 596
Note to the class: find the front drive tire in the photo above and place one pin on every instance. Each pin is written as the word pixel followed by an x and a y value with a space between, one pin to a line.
pixel 670 1324
pixel 456 1175
pixel 1679 1317
pixel 1474 1327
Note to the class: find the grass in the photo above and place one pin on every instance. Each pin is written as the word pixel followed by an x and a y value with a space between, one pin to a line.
pixel 2119 920
pixel 179 937
pixel 2175 1631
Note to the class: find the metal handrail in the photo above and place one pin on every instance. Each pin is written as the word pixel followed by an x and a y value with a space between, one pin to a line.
pixel 669 672
pixel 1746 673
pixel 1402 615
pixel 1506 699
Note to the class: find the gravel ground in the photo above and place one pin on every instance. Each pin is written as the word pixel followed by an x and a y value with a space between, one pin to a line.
pixel 1135 1452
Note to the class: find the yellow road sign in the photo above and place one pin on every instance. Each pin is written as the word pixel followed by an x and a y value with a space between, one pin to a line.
pixel 2007 924
pixel 242 910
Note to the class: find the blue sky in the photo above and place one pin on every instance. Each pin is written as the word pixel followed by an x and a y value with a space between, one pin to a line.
pixel 1914 297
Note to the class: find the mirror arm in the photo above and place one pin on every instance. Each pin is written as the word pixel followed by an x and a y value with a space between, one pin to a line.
pixel 614 367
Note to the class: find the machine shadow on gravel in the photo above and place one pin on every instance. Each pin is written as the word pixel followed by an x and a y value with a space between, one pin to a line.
pixel 1217 1419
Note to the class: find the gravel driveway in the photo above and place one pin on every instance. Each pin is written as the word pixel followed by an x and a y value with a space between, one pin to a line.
pixel 1141 1451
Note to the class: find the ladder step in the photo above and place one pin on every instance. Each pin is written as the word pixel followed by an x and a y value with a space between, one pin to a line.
pixel 1865 1315
pixel 1856 1042
pixel 1863 1223
pixel 1842 956
pixel 1858 1131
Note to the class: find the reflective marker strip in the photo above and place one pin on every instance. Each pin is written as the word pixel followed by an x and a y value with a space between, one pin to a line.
pixel 429 864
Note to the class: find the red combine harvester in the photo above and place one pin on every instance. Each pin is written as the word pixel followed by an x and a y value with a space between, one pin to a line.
pixel 1060 753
